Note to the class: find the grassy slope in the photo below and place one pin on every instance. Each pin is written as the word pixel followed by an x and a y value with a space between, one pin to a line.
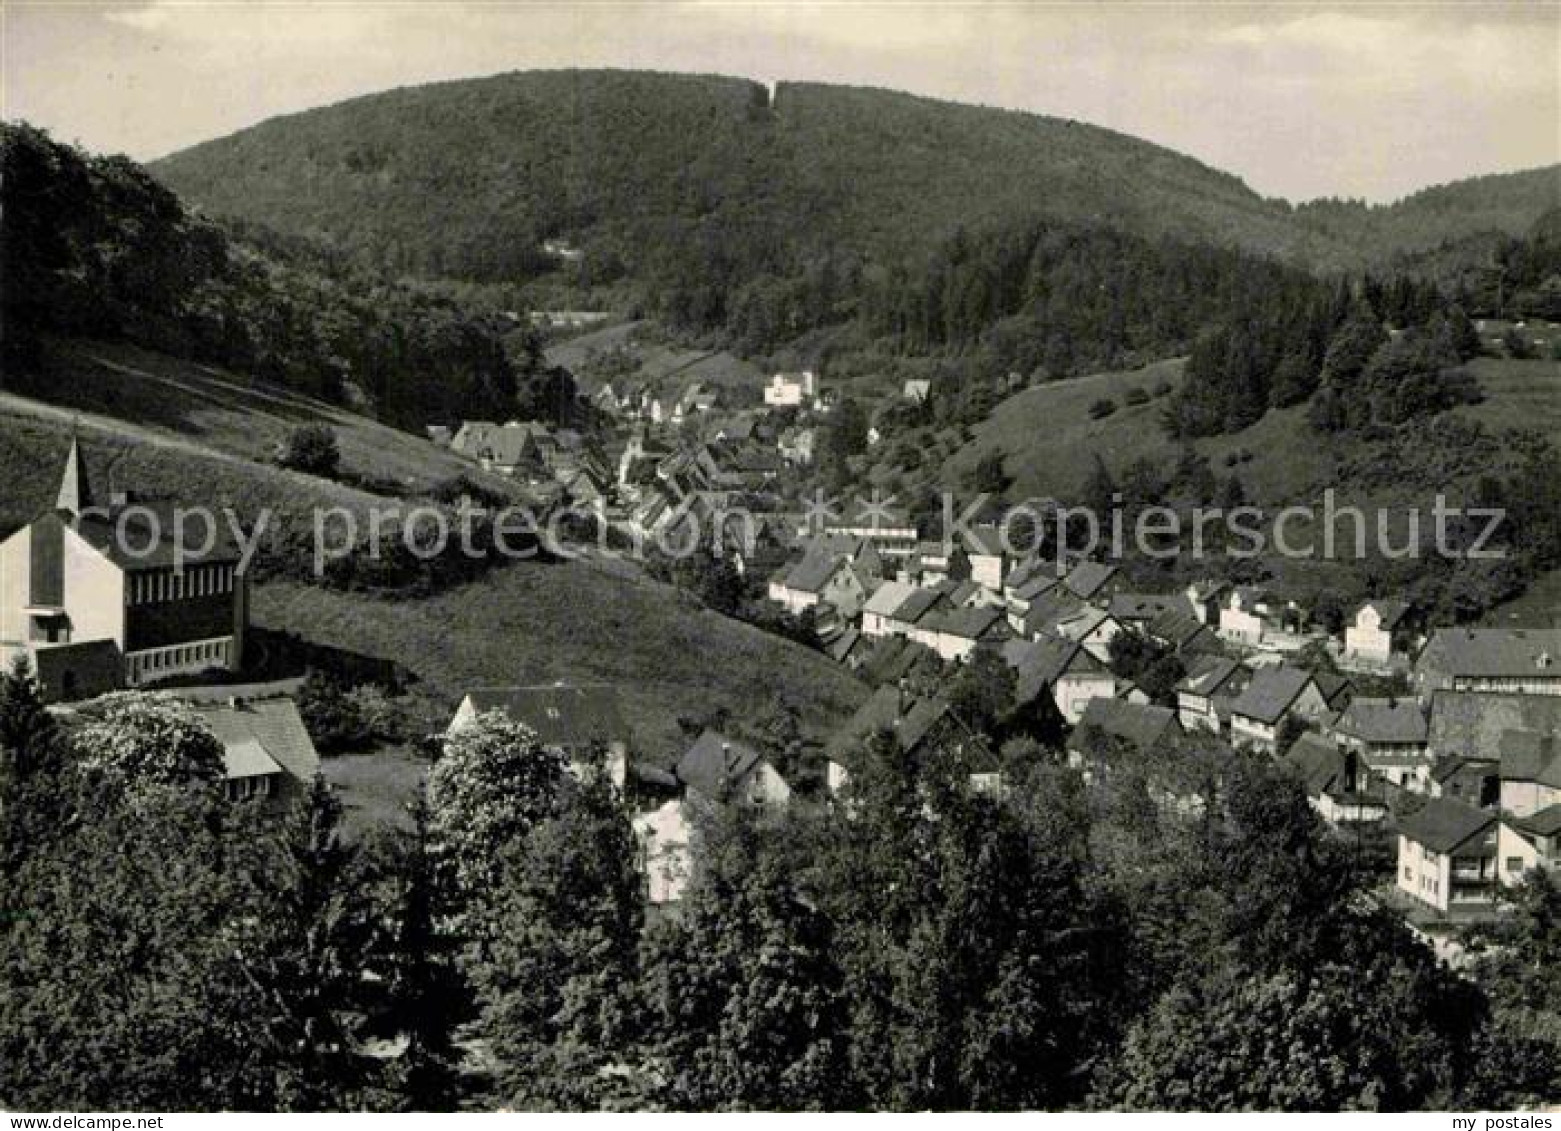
pixel 527 622
pixel 1048 439
pixel 663 366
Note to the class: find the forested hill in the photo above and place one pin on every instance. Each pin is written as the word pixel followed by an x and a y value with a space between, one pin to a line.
pixel 662 177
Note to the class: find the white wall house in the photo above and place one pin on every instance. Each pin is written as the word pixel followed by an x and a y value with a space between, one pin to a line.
pixel 790 390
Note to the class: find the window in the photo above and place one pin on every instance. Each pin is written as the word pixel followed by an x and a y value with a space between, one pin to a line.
pixel 1514 863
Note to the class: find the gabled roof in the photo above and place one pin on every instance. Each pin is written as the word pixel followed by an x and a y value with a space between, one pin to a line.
pixel 1144 725
pixel 1332 685
pixel 1384 720
pixel 1271 693
pixel 1320 765
pixel 984 539
pixel 1471 724
pixel 1442 824
pixel 1494 652
pixel 1546 822
pixel 1390 613
pixel 1039 664
pixel 1088 578
pixel 1212 675
pixel 715 763
pixel 261 736
pixel 970 623
pixel 888 597
pixel 918 604
pixel 567 716
pixel 148 529
pixel 1050 609
pixel 1180 629
pixel 1529 756
pixel 817 567
pixel 1148 606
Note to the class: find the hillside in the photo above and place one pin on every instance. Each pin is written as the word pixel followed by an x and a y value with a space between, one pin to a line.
pixel 524 622
pixel 467 178
pixel 1048 439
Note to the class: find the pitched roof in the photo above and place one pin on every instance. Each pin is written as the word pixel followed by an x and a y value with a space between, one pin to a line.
pixel 814 571
pixel 1390 613
pixel 1148 606
pixel 985 539
pixel 1039 664
pixel 714 763
pixel 1494 652
pixel 970 623
pixel 918 604
pixel 1442 824
pixel 888 597
pixel 1471 724
pixel 1271 692
pixel 1530 756
pixel 142 535
pixel 1546 822
pixel 1142 724
pixel 1210 675
pixel 1384 720
pixel 261 736
pixel 568 716
pixel 1088 578
pixel 1319 764
pixel 1332 685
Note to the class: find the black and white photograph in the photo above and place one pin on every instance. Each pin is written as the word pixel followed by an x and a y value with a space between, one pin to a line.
pixel 684 556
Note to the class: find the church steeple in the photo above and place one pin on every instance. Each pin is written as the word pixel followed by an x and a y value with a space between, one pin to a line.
pixel 75 490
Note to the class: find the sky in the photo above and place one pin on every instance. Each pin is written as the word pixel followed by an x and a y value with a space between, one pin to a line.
pixel 1299 100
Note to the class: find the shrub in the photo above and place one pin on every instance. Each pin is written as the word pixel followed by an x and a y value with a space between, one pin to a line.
pixel 1136 397
pixel 311 448
pixel 1099 409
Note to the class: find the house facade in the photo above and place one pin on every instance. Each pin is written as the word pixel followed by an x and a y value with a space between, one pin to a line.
pixel 1375 635
pixel 1447 857
pixel 790 390
pixel 1503 661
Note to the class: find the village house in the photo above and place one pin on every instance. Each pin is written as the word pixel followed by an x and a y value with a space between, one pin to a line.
pixel 957 632
pixel 1336 783
pixel 1184 633
pixel 1144 727
pixel 1498 660
pixel 917 616
pixel 887 527
pixel 721 769
pixel 791 390
pixel 1206 597
pixel 1206 694
pixel 665 843
pixel 1139 610
pixel 1271 696
pixel 1468 731
pixel 1530 772
pixel 266 750
pixel 1024 584
pixel 1093 581
pixel 1250 615
pixel 1392 737
pixel 986 558
pixel 823 576
pixel 917 390
pixel 1526 843
pixel 98 594
pixel 913 724
pixel 582 722
pixel 1377 635
pixel 438 435
pixel 795 445
pixel 935 562
pixel 878 612
pixel 1061 668
pixel 1447 857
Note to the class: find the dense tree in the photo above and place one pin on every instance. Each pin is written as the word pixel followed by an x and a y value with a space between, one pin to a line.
pixel 493 783
pixel 559 982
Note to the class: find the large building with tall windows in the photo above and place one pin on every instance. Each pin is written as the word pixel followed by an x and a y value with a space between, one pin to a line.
pixel 100 595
